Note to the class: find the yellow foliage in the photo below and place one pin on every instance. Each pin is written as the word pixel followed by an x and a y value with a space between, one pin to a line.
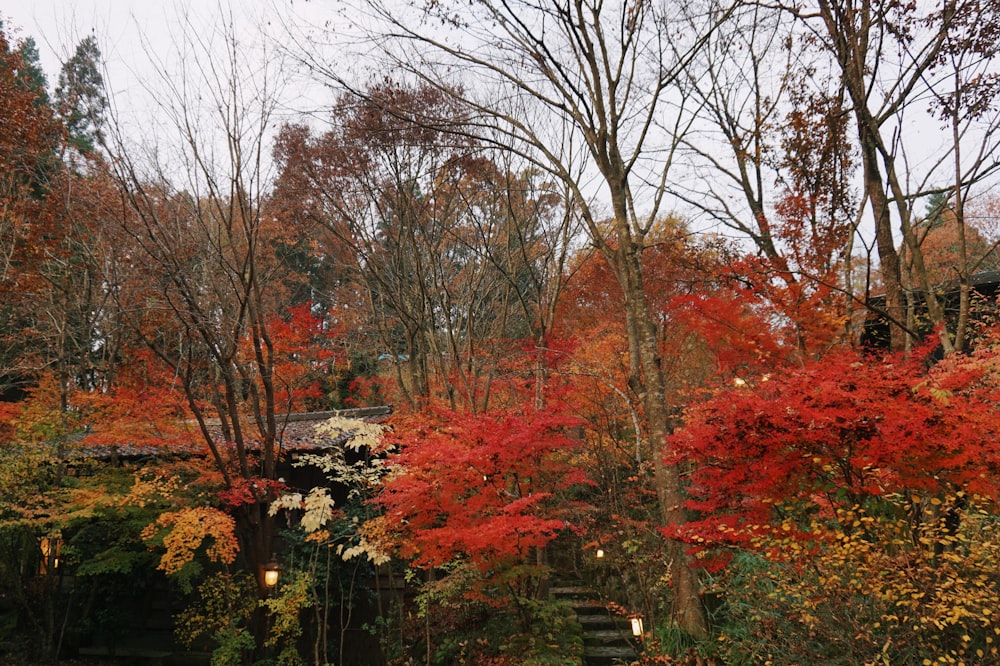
pixel 188 530
pixel 224 603
pixel 320 536
pixel 284 609
pixel 150 488
pixel 874 588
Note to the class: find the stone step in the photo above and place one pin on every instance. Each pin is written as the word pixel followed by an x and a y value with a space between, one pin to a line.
pixel 588 607
pixel 595 622
pixel 134 654
pixel 608 655
pixel 606 637
pixel 571 592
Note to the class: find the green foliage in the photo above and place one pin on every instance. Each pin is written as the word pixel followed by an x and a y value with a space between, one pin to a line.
pixel 748 580
pixel 937 204
pixel 634 572
pixel 869 593
pixel 109 559
pixel 284 610
pixel 233 643
pixel 501 630
pixel 99 545
pixel 80 97
pixel 222 610
pixel 31 77
pixel 110 543
pixel 553 636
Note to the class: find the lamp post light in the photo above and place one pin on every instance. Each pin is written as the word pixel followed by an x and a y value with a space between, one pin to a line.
pixel 636 622
pixel 51 548
pixel 599 554
pixel 271 573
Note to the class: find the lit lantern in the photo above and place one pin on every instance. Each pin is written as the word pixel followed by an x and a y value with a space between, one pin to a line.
pixel 51 547
pixel 600 554
pixel 636 626
pixel 271 571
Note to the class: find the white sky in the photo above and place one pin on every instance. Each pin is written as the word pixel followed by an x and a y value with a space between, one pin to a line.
pixel 127 30
pixel 135 34
pixel 57 25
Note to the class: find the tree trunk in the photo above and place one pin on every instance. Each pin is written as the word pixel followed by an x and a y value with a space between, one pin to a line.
pixel 650 383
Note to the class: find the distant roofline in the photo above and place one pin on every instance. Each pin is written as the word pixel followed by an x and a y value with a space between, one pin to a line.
pixel 291 438
pixel 352 413
pixel 951 286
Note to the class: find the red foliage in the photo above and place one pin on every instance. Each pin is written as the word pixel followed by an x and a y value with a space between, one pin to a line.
pixel 738 335
pixel 806 313
pixel 483 487
pixel 144 406
pixel 250 491
pixel 834 432
pixel 366 392
pixel 304 354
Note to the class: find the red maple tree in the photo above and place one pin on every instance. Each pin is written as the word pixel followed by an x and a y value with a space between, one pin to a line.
pixel 832 434
pixel 487 488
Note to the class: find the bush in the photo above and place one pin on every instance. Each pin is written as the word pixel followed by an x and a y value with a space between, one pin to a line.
pixel 876 592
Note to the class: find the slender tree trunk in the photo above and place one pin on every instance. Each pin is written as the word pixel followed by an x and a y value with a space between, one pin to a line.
pixel 688 610
pixel 889 264
pixel 650 383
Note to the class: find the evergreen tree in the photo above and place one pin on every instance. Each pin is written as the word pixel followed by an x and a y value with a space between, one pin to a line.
pixel 30 75
pixel 80 97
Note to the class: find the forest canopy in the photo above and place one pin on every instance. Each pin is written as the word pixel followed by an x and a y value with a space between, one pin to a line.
pixel 707 288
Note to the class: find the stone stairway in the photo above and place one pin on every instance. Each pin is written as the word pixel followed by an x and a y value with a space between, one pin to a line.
pixel 607 639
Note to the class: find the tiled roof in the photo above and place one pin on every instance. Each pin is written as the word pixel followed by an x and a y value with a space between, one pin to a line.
pixel 296 433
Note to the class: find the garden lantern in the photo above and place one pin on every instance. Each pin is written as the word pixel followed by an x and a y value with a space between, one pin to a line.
pixel 271 572
pixel 51 547
pixel 636 626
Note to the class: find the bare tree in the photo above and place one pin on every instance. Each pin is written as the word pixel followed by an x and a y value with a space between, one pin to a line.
pixel 739 83
pixel 528 240
pixel 193 273
pixel 768 155
pixel 964 84
pixel 581 90
pixel 891 59
pixel 451 246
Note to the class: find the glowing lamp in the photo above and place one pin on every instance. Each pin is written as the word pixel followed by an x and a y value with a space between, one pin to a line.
pixel 51 548
pixel 271 571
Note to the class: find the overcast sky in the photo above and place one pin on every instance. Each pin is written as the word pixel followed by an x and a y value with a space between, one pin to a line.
pixel 134 33
pixel 57 25
pixel 127 29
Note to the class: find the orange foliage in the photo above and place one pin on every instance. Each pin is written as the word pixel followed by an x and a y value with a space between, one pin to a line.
pixel 41 417
pixel 188 530
pixel 144 406
pixel 942 249
pixel 30 136
pixel 479 487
